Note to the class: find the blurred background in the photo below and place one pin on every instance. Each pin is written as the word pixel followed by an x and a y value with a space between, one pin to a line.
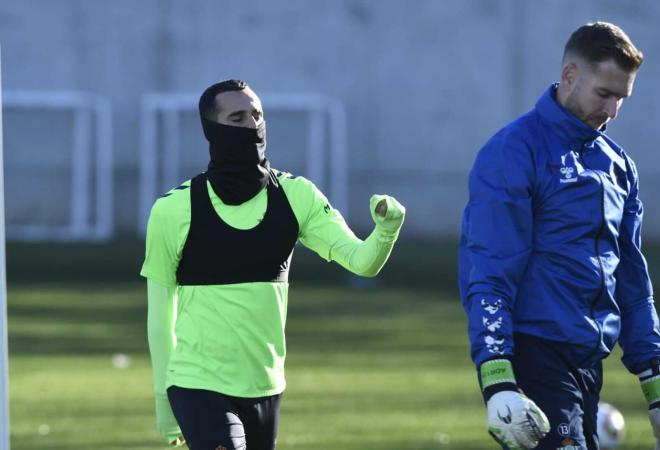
pixel 360 96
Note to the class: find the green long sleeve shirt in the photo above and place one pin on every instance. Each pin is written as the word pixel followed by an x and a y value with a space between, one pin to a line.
pixel 230 338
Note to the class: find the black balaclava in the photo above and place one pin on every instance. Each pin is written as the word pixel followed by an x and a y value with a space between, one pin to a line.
pixel 238 169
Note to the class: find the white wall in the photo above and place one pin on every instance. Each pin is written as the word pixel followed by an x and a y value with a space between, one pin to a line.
pixel 424 82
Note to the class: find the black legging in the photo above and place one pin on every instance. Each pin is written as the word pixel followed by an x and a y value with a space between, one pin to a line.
pixel 213 421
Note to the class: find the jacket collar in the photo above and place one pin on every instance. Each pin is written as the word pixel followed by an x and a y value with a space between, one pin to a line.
pixel 564 124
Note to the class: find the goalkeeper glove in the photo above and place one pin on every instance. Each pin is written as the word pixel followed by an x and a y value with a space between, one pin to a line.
pixel 514 420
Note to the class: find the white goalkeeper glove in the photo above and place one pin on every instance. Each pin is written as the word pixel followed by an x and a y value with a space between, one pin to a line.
pixel 514 420
pixel 650 381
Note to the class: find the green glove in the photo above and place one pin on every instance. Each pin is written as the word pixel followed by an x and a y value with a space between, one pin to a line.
pixel 388 214
pixel 650 381
pixel 166 423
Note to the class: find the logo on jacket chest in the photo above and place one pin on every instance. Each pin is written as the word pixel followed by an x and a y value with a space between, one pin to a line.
pixel 568 170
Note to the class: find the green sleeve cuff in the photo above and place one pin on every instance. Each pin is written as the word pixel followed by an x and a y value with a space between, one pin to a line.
pixel 496 371
pixel 651 389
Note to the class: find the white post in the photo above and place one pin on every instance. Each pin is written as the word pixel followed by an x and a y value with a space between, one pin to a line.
pixel 170 148
pixel 104 170
pixel 148 159
pixel 339 176
pixel 91 215
pixel 4 359
pixel 160 162
pixel 80 185
pixel 315 149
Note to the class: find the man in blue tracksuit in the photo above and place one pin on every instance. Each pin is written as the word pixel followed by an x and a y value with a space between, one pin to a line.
pixel 550 268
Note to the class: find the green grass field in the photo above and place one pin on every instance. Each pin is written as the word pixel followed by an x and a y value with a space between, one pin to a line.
pixel 367 369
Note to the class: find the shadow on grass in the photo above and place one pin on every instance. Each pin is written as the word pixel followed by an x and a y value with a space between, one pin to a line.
pixel 83 319
pixel 76 319
pixel 76 314
pixel 366 353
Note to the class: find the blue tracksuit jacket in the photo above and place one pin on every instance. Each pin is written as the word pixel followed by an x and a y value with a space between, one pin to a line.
pixel 550 242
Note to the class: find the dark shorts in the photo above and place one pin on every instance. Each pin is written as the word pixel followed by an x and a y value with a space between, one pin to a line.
pixel 213 421
pixel 567 393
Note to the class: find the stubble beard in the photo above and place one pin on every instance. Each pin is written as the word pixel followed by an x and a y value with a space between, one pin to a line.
pixel 573 106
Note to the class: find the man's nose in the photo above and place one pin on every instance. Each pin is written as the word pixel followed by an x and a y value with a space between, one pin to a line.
pixel 250 122
pixel 612 108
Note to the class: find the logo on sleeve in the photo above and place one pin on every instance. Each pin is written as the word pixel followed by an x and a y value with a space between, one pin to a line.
pixel 492 325
pixel 490 306
pixel 495 346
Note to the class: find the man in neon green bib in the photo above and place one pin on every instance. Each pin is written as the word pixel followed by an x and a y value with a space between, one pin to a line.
pixel 217 260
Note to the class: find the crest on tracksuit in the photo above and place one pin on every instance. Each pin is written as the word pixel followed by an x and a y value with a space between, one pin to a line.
pixel 492 322
pixel 568 171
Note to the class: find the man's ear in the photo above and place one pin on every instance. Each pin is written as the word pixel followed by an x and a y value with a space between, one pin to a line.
pixel 569 74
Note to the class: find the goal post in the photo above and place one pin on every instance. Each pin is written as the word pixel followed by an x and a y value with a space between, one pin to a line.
pixel 4 357
pixel 82 124
pixel 167 119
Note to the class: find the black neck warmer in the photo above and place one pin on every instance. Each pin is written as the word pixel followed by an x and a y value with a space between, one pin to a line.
pixel 238 169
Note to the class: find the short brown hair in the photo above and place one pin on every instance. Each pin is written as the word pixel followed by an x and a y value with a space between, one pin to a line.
pixel 599 41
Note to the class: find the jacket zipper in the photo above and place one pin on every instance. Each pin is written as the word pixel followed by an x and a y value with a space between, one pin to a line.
pixel 596 249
